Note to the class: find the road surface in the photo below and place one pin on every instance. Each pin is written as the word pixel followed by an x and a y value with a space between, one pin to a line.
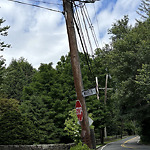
pixel 128 143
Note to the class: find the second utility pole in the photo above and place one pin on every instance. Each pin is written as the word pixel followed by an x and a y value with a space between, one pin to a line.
pixel 68 13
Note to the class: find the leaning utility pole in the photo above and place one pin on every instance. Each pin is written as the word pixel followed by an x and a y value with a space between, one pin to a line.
pixel 68 13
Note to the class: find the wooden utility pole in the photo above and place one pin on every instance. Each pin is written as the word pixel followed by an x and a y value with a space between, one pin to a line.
pixel 68 13
pixel 97 90
pixel 105 99
pixel 106 89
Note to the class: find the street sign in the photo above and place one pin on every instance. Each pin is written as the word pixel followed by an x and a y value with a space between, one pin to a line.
pixel 90 122
pixel 79 111
pixel 89 92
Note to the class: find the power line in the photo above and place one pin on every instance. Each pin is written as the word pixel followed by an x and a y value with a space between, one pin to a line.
pixel 80 33
pixel 45 2
pixel 82 39
pixel 97 21
pixel 79 28
pixel 91 27
pixel 85 16
pixel 88 37
pixel 36 6
pixel 87 33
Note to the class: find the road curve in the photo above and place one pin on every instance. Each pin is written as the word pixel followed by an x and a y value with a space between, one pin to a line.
pixel 131 142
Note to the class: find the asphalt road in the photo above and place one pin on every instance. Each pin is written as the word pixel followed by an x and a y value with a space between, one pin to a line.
pixel 126 144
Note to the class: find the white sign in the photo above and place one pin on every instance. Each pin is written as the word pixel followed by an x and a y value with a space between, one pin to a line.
pixel 89 92
pixel 90 122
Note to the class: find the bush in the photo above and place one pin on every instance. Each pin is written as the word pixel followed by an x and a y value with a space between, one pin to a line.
pixel 80 146
pixel 16 129
pixel 71 126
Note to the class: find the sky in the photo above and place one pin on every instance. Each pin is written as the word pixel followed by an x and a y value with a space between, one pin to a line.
pixel 40 35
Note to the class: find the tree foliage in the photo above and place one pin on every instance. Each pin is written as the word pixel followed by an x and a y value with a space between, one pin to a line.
pixel 15 128
pixel 72 127
pixel 3 32
pixel 129 61
pixel 17 75
pixel 144 9
pixel 49 99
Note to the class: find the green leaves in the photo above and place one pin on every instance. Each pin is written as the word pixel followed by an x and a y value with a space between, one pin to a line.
pixel 18 74
pixel 129 66
pixel 80 146
pixel 143 82
pixel 144 75
pixel 73 129
pixel 14 127
pixel 8 105
pixel 39 110
pixel 3 32
pixel 120 29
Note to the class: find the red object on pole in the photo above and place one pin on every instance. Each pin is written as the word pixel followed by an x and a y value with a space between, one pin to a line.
pixel 79 111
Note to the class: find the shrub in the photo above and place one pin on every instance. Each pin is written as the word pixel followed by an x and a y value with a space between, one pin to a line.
pixel 80 146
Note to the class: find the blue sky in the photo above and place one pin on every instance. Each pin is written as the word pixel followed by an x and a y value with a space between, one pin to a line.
pixel 40 35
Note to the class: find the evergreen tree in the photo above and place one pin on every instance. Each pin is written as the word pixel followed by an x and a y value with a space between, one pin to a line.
pixel 3 32
pixel 2 69
pixel 48 99
pixel 144 9
pixel 15 128
pixel 17 75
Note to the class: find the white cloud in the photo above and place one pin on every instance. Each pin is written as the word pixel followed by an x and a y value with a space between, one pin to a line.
pixel 114 11
pixel 40 36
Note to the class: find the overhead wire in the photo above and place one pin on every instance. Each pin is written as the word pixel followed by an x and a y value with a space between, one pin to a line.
pixel 97 22
pixel 78 25
pixel 38 1
pixel 87 33
pixel 86 14
pixel 91 27
pixel 35 6
pixel 85 19
pixel 79 28
pixel 87 37
pixel 79 31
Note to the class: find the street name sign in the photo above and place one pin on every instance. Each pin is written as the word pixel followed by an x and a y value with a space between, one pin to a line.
pixel 89 92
